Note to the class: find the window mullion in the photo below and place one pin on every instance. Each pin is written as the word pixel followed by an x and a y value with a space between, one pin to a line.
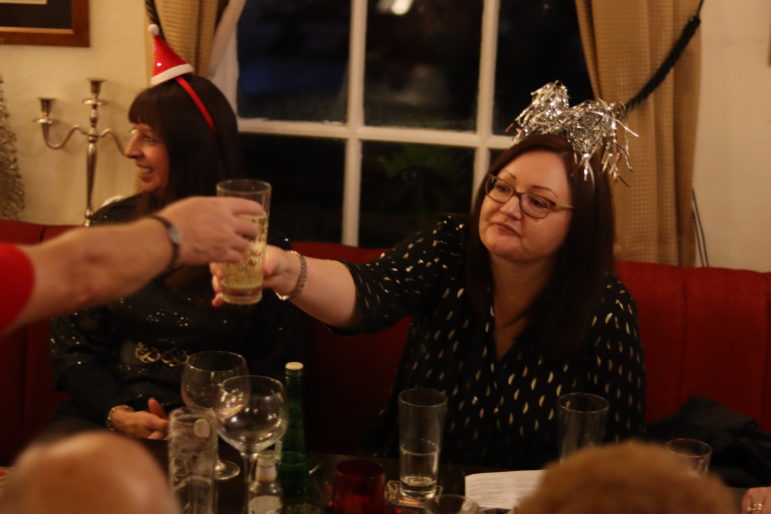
pixel 485 100
pixel 355 119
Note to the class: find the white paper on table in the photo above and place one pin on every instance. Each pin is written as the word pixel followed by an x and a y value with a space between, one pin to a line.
pixel 502 489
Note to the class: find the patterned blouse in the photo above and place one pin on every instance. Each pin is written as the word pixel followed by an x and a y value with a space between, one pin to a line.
pixel 501 412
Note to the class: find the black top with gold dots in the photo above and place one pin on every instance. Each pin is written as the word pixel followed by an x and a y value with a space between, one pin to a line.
pixel 501 413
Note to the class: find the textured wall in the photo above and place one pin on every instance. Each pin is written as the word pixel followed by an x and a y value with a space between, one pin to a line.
pixel 732 175
pixel 55 179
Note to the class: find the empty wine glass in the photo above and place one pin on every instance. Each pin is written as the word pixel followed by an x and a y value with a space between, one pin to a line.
pixel 201 377
pixel 253 414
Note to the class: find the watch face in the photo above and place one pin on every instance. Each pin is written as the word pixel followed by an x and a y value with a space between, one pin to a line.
pixel 175 235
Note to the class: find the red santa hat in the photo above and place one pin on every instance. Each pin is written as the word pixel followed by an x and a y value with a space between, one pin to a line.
pixel 168 65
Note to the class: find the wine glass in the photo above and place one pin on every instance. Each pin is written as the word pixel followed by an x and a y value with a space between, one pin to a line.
pixel 253 414
pixel 201 377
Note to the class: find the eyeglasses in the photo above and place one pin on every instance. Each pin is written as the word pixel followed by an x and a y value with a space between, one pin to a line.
pixel 535 206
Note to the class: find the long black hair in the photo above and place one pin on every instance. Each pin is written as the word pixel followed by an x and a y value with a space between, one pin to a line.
pixel 562 312
pixel 199 157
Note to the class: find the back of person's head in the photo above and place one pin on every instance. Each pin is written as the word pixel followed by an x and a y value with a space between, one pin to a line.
pixel 95 472
pixel 199 157
pixel 628 478
pixel 581 263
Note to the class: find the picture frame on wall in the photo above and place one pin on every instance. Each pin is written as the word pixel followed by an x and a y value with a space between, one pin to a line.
pixel 44 22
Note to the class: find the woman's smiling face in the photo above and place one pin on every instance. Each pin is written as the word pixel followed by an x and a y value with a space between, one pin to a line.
pixel 149 154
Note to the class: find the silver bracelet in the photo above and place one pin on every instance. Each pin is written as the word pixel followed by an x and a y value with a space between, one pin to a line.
pixel 108 421
pixel 300 285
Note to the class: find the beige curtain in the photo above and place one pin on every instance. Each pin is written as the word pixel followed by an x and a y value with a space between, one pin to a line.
pixel 624 43
pixel 198 30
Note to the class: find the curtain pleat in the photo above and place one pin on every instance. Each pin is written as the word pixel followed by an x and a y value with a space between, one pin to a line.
pixel 623 47
pixel 189 27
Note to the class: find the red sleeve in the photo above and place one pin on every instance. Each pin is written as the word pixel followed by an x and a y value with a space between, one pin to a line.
pixel 17 277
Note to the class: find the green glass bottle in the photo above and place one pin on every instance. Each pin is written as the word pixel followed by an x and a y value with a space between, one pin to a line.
pixel 293 466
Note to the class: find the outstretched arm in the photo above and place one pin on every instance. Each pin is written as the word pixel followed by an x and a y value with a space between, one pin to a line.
pixel 86 267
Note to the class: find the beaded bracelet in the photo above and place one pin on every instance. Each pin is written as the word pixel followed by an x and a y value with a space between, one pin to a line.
pixel 300 285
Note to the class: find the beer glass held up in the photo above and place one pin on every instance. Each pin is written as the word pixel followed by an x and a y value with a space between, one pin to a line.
pixel 242 281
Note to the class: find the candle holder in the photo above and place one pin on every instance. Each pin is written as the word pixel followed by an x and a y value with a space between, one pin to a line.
pixel 92 136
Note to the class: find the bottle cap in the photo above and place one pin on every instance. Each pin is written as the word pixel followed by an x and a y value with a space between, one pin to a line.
pixel 266 458
pixel 294 366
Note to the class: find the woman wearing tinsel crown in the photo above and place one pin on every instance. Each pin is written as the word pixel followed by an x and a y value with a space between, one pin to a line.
pixel 511 305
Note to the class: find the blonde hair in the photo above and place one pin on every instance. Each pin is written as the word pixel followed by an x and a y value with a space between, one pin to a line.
pixel 629 478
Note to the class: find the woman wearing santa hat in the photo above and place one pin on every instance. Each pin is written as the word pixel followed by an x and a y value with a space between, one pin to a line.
pixel 121 363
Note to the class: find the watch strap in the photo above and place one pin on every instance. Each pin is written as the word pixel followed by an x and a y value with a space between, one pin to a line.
pixel 175 238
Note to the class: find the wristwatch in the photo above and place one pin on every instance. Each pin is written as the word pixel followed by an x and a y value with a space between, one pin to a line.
pixel 175 238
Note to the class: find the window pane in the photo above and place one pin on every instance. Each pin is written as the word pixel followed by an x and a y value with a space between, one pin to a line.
pixel 404 187
pixel 422 65
pixel 307 179
pixel 293 58
pixel 538 42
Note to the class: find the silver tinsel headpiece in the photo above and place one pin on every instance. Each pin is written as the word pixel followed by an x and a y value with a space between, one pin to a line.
pixel 589 127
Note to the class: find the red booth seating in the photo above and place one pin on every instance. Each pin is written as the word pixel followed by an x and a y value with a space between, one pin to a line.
pixel 705 332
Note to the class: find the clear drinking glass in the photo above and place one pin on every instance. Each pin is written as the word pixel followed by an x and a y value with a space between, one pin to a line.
pixel 421 421
pixel 201 378
pixel 253 414
pixel 581 419
pixel 692 451
pixel 242 280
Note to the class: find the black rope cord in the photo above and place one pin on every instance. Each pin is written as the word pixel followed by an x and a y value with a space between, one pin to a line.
pixel 152 15
pixel 677 50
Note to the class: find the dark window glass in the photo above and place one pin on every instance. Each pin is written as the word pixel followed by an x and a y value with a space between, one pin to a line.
pixel 293 59
pixel 307 179
pixel 538 42
pixel 406 186
pixel 422 65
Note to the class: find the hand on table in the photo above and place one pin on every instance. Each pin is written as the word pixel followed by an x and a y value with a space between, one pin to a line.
pixel 757 500
pixel 150 424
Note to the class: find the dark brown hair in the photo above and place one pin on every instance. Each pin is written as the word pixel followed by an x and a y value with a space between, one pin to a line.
pixel 561 314
pixel 198 156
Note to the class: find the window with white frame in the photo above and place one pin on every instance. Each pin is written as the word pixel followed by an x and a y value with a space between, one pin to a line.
pixel 371 117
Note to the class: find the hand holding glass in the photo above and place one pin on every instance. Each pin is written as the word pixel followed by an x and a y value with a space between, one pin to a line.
pixel 242 280
pixel 201 377
pixel 253 414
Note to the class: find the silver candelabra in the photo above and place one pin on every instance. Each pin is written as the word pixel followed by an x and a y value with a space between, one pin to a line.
pixel 92 135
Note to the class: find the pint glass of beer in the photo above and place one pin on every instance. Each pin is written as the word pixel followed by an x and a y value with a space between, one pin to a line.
pixel 242 283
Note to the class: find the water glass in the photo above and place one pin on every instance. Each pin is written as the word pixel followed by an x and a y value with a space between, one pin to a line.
pixel 242 281
pixel 694 452
pixel 421 421
pixel 192 454
pixel 581 419
pixel 450 504
pixel 201 376
pixel 358 487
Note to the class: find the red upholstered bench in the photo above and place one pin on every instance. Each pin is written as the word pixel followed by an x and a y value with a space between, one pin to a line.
pixel 705 331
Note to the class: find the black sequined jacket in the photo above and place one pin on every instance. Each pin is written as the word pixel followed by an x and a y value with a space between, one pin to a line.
pixel 134 349
pixel 501 412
